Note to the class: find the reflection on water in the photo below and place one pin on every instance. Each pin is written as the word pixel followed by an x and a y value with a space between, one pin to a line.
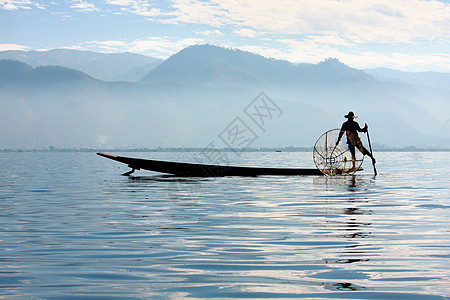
pixel 348 218
pixel 74 231
pixel 350 181
pixel 178 188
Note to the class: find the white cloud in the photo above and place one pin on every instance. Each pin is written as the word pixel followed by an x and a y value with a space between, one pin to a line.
pixel 160 47
pixel 400 61
pixel 310 48
pixel 19 4
pixel 120 2
pixel 245 32
pixel 107 46
pixel 4 47
pixel 397 34
pixel 214 32
pixel 138 7
pixel 195 11
pixel 333 40
pixel 379 21
pixel 84 6
pixel 360 33
pixel 310 52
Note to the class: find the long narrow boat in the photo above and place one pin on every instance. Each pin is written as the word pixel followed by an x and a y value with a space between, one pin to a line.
pixel 202 170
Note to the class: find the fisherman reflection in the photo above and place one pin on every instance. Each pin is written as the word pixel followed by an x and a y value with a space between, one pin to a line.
pixel 351 182
pixel 343 286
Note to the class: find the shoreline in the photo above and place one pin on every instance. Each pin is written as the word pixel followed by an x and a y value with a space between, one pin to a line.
pixel 197 149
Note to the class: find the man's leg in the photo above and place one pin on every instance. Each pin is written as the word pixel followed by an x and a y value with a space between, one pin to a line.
pixel 352 151
pixel 364 151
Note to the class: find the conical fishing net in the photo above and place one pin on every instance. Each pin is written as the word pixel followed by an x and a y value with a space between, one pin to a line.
pixel 332 159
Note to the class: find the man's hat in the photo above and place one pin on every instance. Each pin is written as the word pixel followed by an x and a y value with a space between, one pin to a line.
pixel 350 115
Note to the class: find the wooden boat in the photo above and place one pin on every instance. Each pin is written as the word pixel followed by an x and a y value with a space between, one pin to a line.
pixel 203 170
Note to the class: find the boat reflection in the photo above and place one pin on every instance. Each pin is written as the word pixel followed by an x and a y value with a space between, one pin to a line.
pixel 165 178
pixel 180 190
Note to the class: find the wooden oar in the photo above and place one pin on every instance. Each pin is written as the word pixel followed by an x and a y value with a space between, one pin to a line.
pixel 371 153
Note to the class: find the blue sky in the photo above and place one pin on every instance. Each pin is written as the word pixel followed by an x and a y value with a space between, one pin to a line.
pixel 410 35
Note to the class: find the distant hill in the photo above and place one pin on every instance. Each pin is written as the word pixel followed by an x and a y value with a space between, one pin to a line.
pixel 193 96
pixel 217 66
pixel 103 66
pixel 431 79
pixel 13 72
pixel 212 65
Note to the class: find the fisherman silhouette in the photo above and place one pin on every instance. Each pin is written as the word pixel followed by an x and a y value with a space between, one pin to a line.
pixel 351 128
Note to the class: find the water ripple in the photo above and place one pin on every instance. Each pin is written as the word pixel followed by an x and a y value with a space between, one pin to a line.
pixel 71 227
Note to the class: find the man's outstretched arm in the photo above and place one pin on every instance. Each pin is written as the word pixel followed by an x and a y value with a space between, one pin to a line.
pixel 340 136
pixel 364 129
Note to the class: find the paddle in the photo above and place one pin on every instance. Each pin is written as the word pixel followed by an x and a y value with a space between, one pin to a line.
pixel 370 147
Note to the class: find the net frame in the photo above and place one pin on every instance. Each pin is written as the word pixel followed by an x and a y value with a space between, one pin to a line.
pixel 332 159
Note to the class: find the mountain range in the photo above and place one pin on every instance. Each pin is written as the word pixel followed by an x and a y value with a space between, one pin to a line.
pixel 430 79
pixel 191 97
pixel 103 66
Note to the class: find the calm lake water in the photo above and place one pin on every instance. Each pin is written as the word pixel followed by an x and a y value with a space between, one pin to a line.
pixel 72 227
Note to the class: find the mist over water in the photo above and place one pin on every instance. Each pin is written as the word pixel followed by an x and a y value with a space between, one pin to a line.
pixel 71 226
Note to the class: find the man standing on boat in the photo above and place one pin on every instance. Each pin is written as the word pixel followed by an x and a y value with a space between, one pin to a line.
pixel 351 128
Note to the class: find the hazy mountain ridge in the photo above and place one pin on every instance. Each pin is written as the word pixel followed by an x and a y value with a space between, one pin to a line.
pixel 103 66
pixel 430 79
pixel 211 65
pixel 190 98
pixel 217 66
